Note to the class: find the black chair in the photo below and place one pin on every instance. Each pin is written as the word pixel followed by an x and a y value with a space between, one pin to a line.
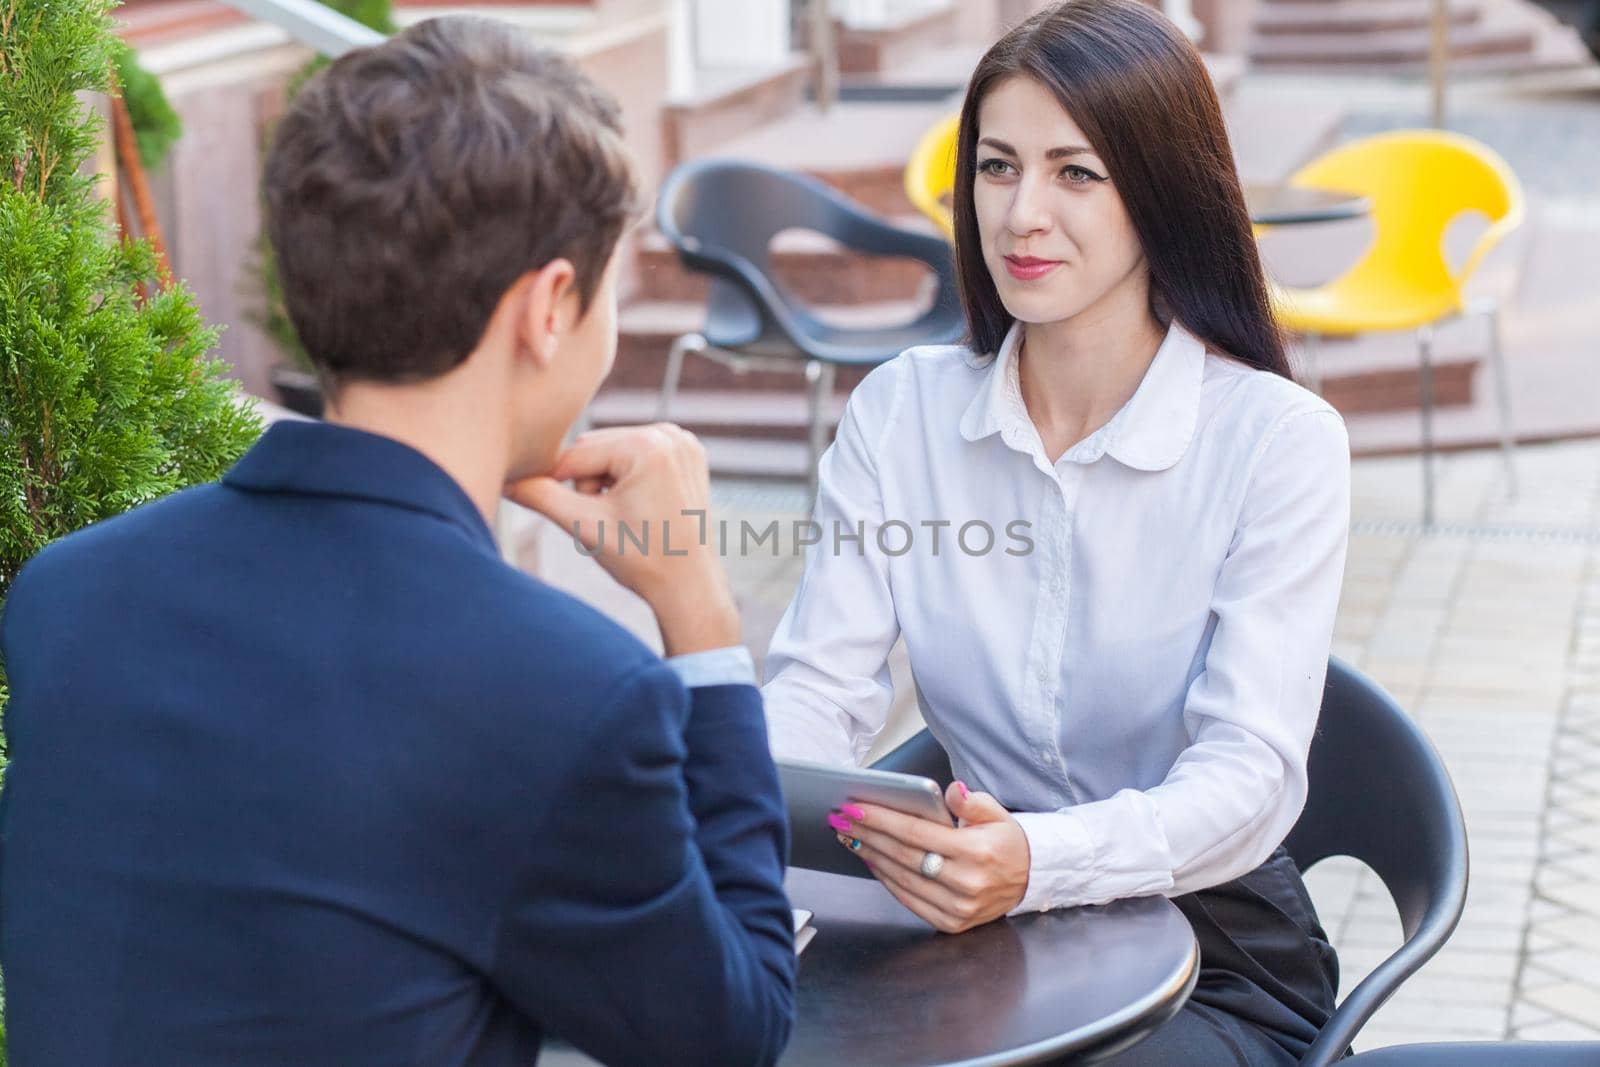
pixel 1483 1054
pixel 721 215
pixel 1378 793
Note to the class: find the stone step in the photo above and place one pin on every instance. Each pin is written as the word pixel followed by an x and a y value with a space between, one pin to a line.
pixel 1271 141
pixel 763 431
pixel 727 102
pixel 812 267
pixel 1401 46
pixel 1360 376
pixel 1398 388
pixel 739 457
pixel 1512 37
pixel 767 415
pixel 899 38
pixel 1358 16
pixel 646 331
pixel 859 148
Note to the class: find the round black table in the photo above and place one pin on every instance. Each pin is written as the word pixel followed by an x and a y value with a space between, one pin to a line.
pixel 879 988
pixel 1289 205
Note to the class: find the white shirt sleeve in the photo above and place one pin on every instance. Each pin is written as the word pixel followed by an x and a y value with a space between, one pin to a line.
pixel 1237 789
pixel 828 689
pixel 717 666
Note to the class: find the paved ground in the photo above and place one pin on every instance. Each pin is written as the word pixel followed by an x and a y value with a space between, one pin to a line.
pixel 1488 629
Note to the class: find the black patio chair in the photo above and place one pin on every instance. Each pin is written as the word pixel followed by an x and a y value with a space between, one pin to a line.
pixel 721 215
pixel 1379 793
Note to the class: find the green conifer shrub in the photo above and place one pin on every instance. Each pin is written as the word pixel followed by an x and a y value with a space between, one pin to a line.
pixel 106 401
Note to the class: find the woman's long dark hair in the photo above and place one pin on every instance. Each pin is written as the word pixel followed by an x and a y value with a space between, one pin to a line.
pixel 1141 94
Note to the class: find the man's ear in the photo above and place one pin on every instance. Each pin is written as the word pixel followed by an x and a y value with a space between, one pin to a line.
pixel 547 310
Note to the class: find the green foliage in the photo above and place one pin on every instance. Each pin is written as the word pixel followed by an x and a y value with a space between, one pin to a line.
pixel 156 127
pixel 269 313
pixel 106 401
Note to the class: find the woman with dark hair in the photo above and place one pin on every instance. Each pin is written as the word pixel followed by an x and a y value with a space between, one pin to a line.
pixel 1111 530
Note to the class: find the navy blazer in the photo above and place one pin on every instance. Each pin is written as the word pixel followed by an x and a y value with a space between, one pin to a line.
pixel 303 774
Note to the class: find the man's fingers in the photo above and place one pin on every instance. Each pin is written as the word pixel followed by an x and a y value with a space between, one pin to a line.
pixel 597 455
pixel 565 507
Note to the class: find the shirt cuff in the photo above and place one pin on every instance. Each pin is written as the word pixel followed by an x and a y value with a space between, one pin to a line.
pixel 1061 860
pixel 718 666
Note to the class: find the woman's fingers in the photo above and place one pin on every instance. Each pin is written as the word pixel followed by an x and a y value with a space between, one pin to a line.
pixel 941 905
pixel 924 835
pixel 885 845
pixel 899 882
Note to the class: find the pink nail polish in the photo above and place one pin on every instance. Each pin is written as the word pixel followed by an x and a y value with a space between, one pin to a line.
pixel 839 823
pixel 965 792
pixel 853 812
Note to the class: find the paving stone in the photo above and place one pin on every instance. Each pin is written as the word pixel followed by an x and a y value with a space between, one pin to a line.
pixel 1534 941
pixel 1558 1030
pixel 1574 964
pixel 1465 990
pixel 1586 835
pixel 1575 1001
pixel 1524 1015
pixel 1583 866
pixel 1581 928
pixel 1540 910
pixel 1532 976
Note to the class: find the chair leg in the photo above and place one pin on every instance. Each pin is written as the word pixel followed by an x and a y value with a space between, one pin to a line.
pixel 1313 362
pixel 819 376
pixel 1425 383
pixel 689 342
pixel 1502 387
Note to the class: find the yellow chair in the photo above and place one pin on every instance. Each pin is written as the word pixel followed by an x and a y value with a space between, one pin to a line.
pixel 931 173
pixel 1419 182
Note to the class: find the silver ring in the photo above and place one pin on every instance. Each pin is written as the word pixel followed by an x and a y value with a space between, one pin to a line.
pixel 932 864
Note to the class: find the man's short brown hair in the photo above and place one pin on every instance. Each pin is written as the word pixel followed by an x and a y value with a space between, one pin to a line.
pixel 411 183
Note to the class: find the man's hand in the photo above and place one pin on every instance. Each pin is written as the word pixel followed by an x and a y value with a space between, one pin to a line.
pixel 652 482
pixel 986 857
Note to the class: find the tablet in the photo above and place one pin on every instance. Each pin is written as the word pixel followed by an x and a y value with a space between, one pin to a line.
pixel 814 790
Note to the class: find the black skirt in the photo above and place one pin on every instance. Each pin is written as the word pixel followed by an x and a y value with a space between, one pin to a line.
pixel 1267 980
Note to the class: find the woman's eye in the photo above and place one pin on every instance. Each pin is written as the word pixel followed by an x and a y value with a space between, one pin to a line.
pixel 1080 175
pixel 993 166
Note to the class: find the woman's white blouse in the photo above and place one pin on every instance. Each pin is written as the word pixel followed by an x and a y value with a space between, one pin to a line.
pixel 1135 664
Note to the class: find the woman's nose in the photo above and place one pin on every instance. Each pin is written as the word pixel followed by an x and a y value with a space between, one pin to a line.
pixel 1028 213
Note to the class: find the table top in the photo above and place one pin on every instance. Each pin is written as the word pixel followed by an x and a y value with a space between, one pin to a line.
pixel 1288 205
pixel 880 988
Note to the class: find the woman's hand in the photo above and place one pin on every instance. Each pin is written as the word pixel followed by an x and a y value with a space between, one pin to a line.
pixel 986 858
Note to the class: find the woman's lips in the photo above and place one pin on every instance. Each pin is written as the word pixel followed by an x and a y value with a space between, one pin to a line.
pixel 1027 269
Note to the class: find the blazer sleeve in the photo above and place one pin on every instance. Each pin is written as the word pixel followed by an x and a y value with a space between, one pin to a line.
pixel 651 926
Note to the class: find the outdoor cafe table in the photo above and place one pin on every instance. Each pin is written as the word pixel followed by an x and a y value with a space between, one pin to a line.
pixel 1289 205
pixel 879 988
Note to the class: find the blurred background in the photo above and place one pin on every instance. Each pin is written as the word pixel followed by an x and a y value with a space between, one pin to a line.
pixel 1441 291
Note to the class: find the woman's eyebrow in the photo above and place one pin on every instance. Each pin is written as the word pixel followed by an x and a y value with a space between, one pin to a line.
pixel 1054 153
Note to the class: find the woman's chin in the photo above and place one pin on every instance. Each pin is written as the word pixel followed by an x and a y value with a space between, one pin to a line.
pixel 1036 309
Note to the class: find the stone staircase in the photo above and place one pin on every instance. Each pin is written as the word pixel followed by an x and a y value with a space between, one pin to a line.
pixel 1395 37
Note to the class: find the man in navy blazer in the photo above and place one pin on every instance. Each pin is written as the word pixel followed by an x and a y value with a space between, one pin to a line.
pixel 302 773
